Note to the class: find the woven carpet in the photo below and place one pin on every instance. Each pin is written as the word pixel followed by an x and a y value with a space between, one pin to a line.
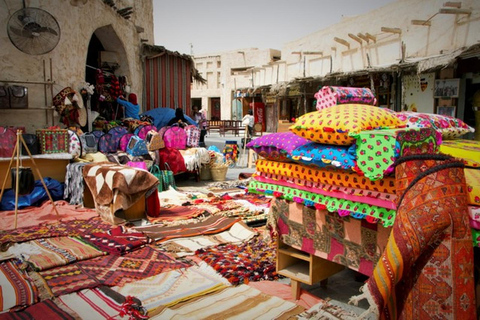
pixel 101 303
pixel 43 254
pixel 211 225
pixel 16 289
pixel 250 261
pixel 56 229
pixel 170 288
pixel 426 270
pixel 33 216
pixel 240 302
pixel 117 241
pixel 237 234
pixel 109 270
pixel 44 310
pixel 175 213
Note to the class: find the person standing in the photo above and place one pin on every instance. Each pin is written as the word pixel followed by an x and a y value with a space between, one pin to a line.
pixel 179 119
pixel 199 118
pixel 132 109
pixel 248 120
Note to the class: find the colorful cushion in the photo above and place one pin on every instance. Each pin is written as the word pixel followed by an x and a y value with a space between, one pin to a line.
pixel 472 178
pixel 337 124
pixel 322 155
pixel 467 150
pixel 449 127
pixel 277 146
pixel 329 96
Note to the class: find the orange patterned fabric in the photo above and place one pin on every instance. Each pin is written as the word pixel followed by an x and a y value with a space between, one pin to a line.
pixel 326 175
pixel 426 270
pixel 337 124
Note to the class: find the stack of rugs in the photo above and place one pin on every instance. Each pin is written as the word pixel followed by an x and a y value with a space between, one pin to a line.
pixel 337 187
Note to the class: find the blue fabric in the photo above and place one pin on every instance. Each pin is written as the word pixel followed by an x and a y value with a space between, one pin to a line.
pixel 36 197
pixel 161 117
pixel 131 110
pixel 323 155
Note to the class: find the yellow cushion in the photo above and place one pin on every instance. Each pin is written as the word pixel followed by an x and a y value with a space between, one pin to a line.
pixel 337 124
pixel 472 177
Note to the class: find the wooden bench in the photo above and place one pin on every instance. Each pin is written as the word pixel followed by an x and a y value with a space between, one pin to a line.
pixel 223 126
pixel 235 126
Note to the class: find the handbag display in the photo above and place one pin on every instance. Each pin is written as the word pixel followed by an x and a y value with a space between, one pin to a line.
pixel 8 139
pixel 165 178
pixel 154 141
pixel 53 140
pixel 136 146
pixel 137 164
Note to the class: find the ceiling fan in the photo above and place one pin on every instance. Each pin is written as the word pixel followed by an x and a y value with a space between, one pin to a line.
pixel 33 30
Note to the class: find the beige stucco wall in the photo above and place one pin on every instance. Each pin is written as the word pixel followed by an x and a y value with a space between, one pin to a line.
pixel 446 33
pixel 78 20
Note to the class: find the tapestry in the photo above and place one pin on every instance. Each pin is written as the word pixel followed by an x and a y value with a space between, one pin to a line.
pixel 426 270
pixel 64 280
pixel 101 303
pixel 16 289
pixel 210 225
pixel 44 310
pixel 113 270
pixel 180 247
pixel 354 243
pixel 172 287
pixel 240 302
pixel 117 241
pixel 250 261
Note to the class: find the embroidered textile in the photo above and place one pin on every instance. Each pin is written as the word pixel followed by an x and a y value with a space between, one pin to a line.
pixel 45 309
pixel 74 183
pixel 117 241
pixel 426 270
pixel 16 289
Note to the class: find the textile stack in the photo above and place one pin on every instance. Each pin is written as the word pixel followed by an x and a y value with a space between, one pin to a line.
pixel 335 180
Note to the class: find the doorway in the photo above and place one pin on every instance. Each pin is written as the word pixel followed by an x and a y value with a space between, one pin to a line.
pixel 216 110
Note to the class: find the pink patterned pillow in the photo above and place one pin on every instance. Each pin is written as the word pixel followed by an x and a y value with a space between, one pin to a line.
pixel 449 127
pixel 277 146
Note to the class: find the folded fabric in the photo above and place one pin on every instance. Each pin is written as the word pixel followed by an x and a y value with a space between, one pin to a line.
pixel 117 241
pixel 17 290
pixel 323 155
pixel 467 150
pixel 47 253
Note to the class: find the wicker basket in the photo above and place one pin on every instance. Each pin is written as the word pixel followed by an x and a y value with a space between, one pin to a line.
pixel 219 174
pixel 205 173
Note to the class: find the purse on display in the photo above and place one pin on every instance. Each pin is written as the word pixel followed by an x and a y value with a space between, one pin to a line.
pixel 137 146
pixel 154 141
pixel 165 177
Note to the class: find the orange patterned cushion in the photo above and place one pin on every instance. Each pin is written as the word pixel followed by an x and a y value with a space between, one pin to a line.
pixel 337 124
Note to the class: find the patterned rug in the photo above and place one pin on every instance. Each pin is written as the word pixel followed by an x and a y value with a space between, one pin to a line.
pixel 170 288
pixel 210 225
pixel 44 310
pixel 426 270
pixel 101 303
pixel 237 234
pixel 240 302
pixel 117 241
pixel 175 213
pixel 43 254
pixel 16 289
pixel 57 229
pixel 109 270
pixel 250 261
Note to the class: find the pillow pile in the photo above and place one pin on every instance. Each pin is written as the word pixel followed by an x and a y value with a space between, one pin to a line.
pixel 449 127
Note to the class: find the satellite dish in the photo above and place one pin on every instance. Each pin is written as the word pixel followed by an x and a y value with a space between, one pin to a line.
pixel 33 31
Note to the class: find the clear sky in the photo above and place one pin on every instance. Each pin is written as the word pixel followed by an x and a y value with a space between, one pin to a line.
pixel 209 26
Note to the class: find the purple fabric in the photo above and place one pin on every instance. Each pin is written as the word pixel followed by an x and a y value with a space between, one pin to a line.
pixel 277 146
